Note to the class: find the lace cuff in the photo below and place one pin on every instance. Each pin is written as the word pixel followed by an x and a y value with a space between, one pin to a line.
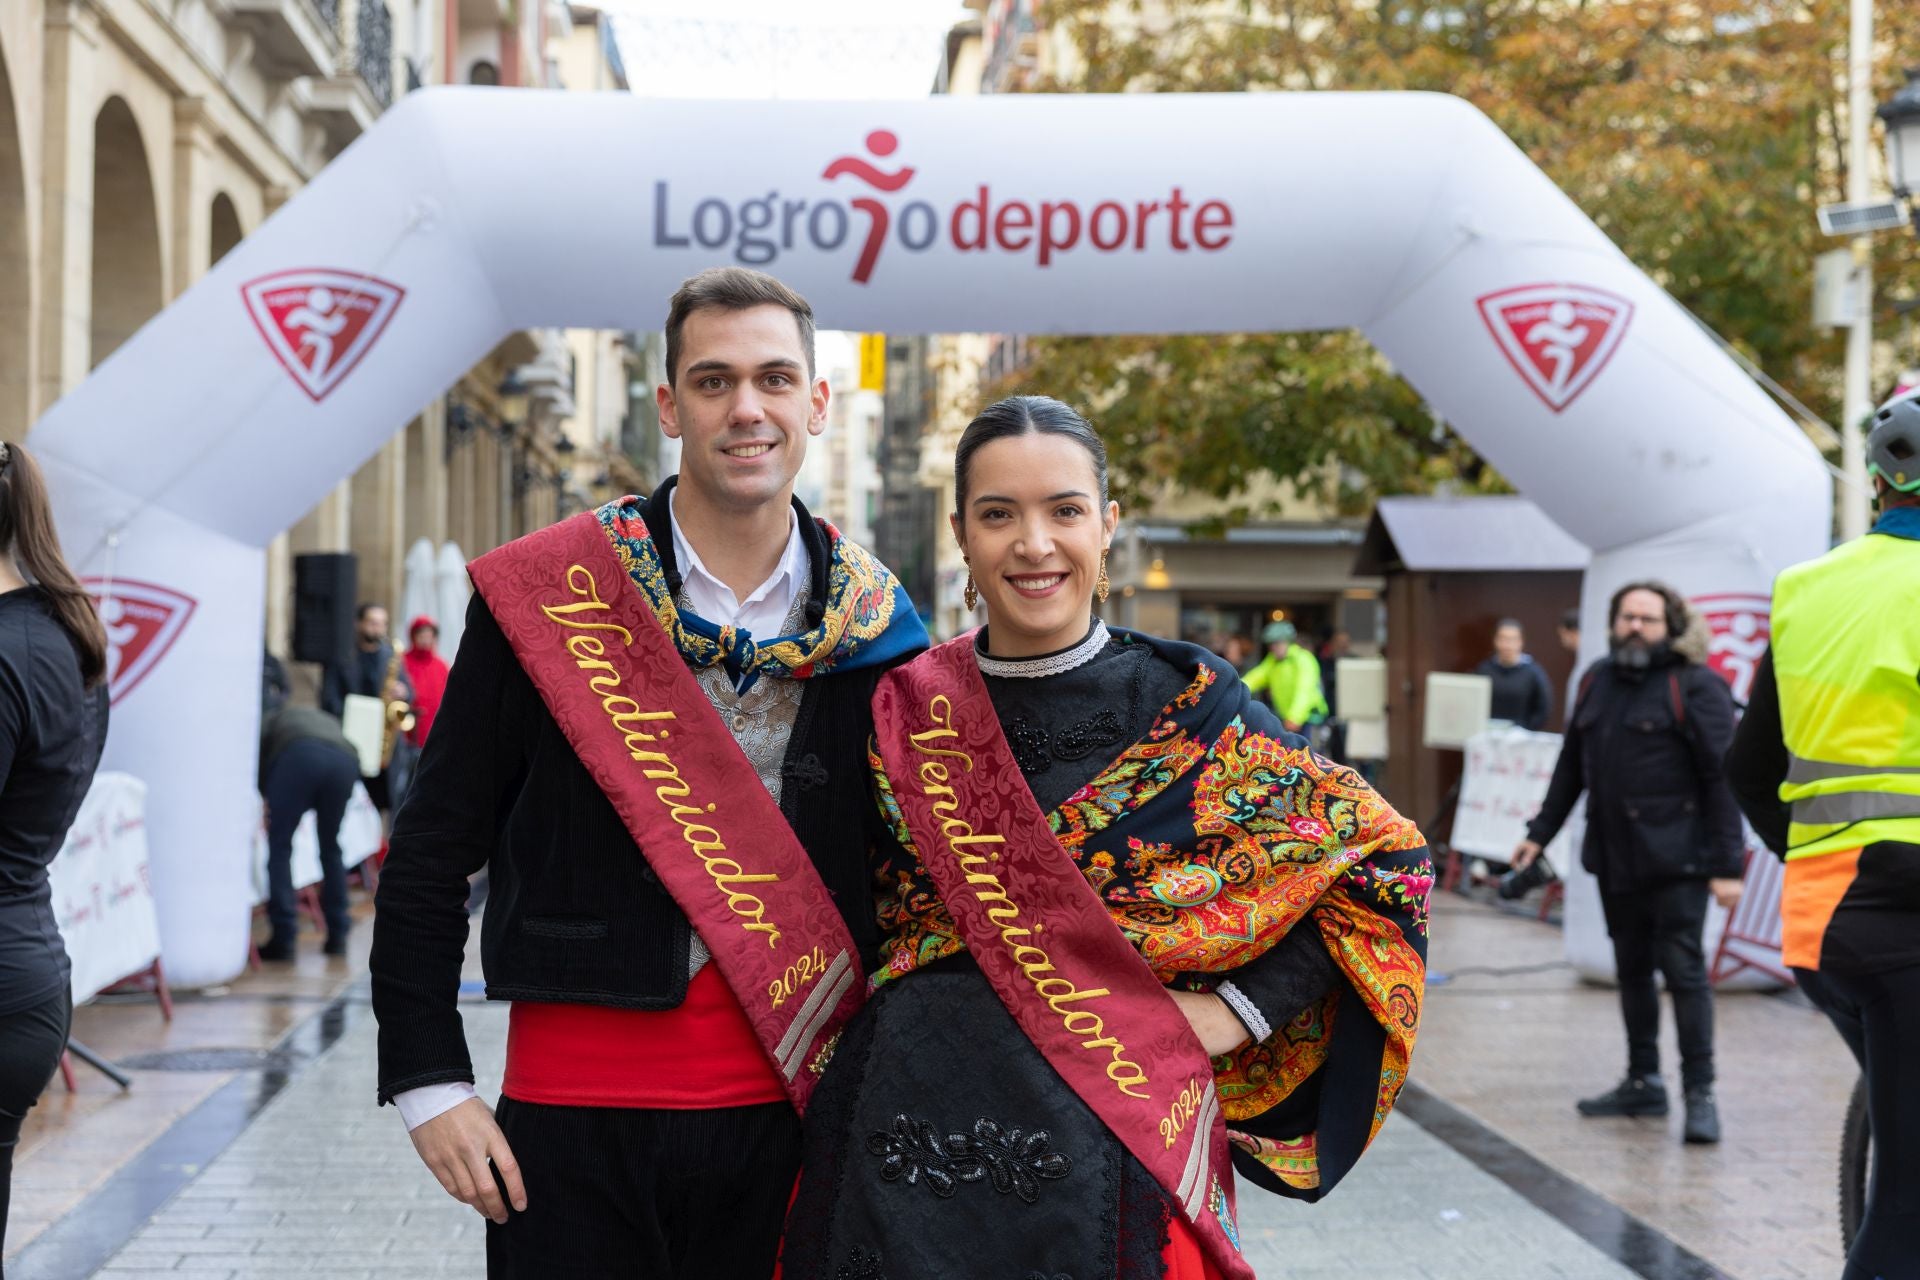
pixel 1245 1010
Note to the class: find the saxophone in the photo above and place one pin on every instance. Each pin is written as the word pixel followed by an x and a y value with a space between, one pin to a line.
pixel 400 717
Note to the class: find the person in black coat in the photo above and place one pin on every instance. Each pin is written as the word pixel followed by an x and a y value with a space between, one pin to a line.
pixel 1645 740
pixel 1520 692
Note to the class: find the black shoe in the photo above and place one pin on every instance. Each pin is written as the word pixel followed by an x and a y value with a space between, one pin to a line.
pixel 277 949
pixel 1634 1096
pixel 336 944
pixel 1703 1116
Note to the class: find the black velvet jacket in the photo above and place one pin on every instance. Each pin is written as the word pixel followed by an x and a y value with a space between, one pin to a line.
pixel 574 912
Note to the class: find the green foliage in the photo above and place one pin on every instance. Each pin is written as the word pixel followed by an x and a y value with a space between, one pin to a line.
pixel 1210 413
pixel 1698 135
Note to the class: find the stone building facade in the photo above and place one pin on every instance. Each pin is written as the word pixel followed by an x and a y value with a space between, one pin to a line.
pixel 141 140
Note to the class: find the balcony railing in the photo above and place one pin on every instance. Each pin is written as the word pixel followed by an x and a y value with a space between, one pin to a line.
pixel 373 49
pixel 328 11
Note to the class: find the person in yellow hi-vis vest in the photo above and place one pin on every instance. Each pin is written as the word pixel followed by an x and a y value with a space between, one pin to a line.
pixel 1288 678
pixel 1826 766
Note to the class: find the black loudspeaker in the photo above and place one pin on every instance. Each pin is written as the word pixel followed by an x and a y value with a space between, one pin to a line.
pixel 325 587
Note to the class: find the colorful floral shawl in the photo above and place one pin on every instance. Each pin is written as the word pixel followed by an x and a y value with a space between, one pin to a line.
pixel 868 619
pixel 1210 839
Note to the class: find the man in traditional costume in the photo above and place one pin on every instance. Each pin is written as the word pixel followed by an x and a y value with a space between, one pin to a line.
pixel 653 740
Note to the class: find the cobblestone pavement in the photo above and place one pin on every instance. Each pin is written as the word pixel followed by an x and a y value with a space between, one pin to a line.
pixel 1485 1173
pixel 1512 1038
pixel 353 1201
pixel 322 1183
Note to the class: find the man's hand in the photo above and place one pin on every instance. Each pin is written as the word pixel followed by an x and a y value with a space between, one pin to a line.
pixel 1291 727
pixel 457 1145
pixel 1212 1021
pixel 1726 892
pixel 1523 854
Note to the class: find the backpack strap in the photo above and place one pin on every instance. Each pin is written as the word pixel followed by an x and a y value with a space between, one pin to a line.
pixel 1580 694
pixel 1679 702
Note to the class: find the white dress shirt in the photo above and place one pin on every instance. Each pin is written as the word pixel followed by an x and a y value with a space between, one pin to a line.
pixel 763 612
pixel 760 615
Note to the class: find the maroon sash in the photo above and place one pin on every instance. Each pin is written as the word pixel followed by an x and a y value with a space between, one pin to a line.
pixel 634 714
pixel 1045 941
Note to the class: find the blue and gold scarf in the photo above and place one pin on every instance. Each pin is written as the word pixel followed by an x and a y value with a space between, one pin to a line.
pixel 868 619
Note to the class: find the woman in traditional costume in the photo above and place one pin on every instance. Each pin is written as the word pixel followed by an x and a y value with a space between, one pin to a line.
pixel 1137 935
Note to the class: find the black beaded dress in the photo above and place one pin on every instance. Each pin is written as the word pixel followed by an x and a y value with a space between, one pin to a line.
pixel 940 1143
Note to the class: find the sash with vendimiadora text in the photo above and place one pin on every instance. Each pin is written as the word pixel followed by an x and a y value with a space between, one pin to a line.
pixel 638 720
pixel 1046 942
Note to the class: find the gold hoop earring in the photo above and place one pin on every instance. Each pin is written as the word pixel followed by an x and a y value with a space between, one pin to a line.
pixel 971 595
pixel 1101 586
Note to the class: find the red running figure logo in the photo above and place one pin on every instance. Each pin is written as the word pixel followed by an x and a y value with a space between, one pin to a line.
pixel 882 143
pixel 319 323
pixel 142 621
pixel 1741 626
pixel 1557 337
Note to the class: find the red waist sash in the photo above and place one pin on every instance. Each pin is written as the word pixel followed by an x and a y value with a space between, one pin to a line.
pixel 1045 941
pixel 698 1056
pixel 635 716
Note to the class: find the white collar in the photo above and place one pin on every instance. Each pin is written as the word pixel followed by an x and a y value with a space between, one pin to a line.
pixel 715 601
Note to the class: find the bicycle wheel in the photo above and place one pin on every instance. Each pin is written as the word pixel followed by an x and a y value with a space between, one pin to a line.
pixel 1856 1159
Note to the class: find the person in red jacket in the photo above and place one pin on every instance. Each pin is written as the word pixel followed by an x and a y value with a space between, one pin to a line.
pixel 428 672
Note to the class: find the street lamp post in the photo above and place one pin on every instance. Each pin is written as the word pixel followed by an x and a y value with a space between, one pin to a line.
pixel 1858 385
pixel 1901 116
pixel 514 400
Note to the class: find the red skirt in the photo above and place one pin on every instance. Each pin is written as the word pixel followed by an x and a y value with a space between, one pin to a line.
pixel 1184 1257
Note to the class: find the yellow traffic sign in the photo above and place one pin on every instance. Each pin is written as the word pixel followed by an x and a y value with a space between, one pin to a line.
pixel 873 362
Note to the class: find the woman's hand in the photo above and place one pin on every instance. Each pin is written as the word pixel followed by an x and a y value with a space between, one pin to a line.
pixel 1212 1021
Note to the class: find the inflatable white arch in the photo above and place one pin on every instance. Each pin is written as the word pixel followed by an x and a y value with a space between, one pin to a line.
pixel 467 214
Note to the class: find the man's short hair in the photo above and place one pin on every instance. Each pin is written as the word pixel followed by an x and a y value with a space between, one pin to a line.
pixel 1504 623
pixel 732 289
pixel 360 614
pixel 1570 620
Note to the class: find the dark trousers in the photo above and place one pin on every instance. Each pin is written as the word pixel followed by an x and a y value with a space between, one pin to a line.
pixel 1659 928
pixel 31 1042
pixel 646 1195
pixel 1878 1015
pixel 308 775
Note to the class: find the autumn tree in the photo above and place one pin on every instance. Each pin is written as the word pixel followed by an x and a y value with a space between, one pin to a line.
pixel 1700 136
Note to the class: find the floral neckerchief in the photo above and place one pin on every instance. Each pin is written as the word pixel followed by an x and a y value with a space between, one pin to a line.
pixel 868 619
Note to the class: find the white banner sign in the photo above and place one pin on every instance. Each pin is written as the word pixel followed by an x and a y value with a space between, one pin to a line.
pixel 1505 779
pixel 102 896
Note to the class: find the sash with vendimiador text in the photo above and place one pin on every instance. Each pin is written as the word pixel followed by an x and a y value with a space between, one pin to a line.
pixel 1046 942
pixel 638 720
